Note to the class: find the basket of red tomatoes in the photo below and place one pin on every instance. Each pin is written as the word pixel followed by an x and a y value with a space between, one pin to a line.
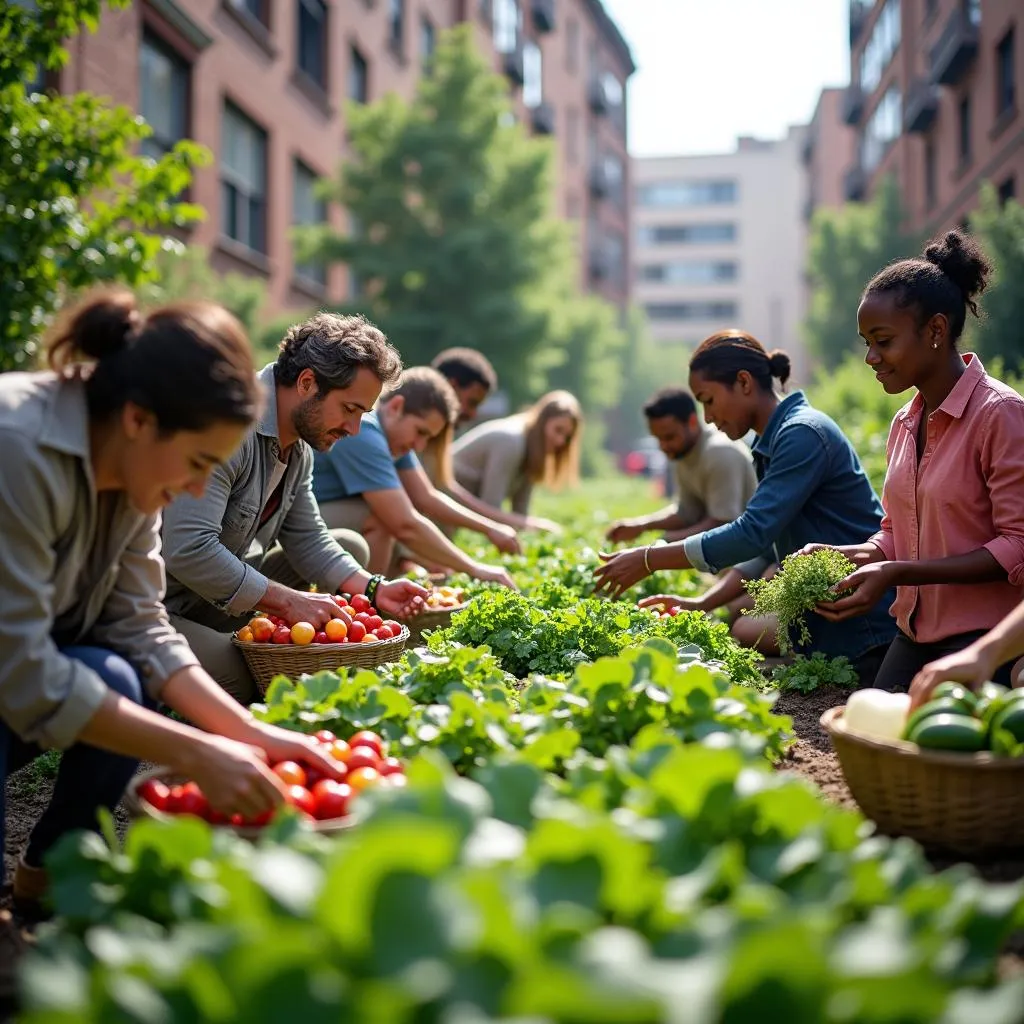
pixel 326 803
pixel 359 637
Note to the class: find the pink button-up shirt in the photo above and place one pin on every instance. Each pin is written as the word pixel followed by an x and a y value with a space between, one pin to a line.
pixel 966 493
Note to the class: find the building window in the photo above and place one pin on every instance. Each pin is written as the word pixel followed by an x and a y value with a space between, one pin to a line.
pixel 312 48
pixel 308 210
pixel 882 129
pixel 508 23
pixel 880 47
pixel 687 193
pixel 689 272
pixel 258 9
pixel 685 234
pixel 572 46
pixel 533 75
pixel 964 130
pixel 615 178
pixel 427 40
pixel 163 96
pixel 1007 190
pixel 358 77
pixel 713 311
pixel 930 176
pixel 396 25
pixel 243 179
pixel 1006 83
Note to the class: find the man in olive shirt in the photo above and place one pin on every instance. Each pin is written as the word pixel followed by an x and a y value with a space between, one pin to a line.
pixel 714 476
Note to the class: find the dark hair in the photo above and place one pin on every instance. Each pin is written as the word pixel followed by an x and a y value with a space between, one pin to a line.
pixel 466 366
pixel 676 402
pixel 334 347
pixel 722 356
pixel 946 279
pixel 190 363
pixel 425 390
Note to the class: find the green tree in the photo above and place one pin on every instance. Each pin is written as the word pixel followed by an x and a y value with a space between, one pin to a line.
pixel 847 247
pixel 184 273
pixel 79 207
pixel 1001 231
pixel 456 244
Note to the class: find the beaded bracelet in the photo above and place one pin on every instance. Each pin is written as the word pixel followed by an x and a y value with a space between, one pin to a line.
pixel 372 587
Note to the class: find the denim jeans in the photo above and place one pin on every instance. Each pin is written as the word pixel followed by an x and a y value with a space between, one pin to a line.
pixel 88 778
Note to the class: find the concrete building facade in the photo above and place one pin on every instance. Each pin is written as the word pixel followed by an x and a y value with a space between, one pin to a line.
pixel 935 99
pixel 719 242
pixel 263 83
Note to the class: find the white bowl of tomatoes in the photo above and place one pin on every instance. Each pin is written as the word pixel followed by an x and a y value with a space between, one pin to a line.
pixel 325 803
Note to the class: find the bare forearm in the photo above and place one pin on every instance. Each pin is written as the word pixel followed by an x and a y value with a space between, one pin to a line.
pixel 427 542
pixel 438 506
pixel 193 693
pixel 1006 639
pixel 667 556
pixel 123 727
pixel 975 567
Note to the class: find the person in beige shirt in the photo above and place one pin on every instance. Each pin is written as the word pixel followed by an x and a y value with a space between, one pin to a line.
pixel 502 460
pixel 715 476
pixel 135 411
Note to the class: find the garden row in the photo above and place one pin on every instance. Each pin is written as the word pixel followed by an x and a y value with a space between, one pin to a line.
pixel 592 830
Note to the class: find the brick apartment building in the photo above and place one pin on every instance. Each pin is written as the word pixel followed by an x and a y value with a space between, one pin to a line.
pixel 829 150
pixel 263 83
pixel 935 99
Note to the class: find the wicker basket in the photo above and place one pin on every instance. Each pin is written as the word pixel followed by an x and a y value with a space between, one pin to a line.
pixel 432 618
pixel 967 803
pixel 139 808
pixel 268 660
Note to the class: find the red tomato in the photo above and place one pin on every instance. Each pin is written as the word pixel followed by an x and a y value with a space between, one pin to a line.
pixel 313 776
pixel 368 738
pixel 395 627
pixel 391 766
pixel 331 799
pixel 362 757
pixel 382 633
pixel 374 622
pixel 346 618
pixel 364 618
pixel 361 778
pixel 299 796
pixel 290 773
pixel 344 598
pixel 356 632
pixel 155 793
pixel 281 635
pixel 192 801
pixel 325 736
pixel 360 603
pixel 321 638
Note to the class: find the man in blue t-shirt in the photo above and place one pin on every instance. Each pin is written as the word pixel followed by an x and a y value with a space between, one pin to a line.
pixel 374 483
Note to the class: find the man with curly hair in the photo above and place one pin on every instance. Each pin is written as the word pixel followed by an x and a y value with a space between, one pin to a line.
pixel 255 538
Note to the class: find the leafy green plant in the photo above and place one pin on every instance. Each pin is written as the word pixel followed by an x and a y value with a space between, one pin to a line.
pixel 807 674
pixel 802 582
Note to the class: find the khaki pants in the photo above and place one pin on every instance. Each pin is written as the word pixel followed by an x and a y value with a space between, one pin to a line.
pixel 209 632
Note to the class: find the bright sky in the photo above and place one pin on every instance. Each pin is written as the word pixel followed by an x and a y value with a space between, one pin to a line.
pixel 710 70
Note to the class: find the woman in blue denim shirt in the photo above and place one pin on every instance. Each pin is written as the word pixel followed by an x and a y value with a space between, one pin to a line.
pixel 810 486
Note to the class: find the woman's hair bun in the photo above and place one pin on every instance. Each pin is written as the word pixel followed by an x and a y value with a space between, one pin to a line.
pixel 780 365
pixel 960 258
pixel 103 326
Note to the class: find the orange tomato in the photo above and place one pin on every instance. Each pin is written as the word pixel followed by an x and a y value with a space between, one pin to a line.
pixel 302 634
pixel 336 630
pixel 244 635
pixel 262 629
pixel 359 779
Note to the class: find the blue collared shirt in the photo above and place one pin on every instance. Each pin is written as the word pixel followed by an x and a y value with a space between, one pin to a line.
pixel 811 489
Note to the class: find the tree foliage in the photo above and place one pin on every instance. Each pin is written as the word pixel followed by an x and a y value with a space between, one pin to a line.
pixel 847 247
pixel 1001 231
pixel 77 205
pixel 452 238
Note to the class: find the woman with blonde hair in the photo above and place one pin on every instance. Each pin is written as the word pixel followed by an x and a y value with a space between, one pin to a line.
pixel 506 458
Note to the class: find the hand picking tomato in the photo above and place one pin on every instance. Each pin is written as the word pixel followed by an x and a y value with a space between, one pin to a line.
pixel 325 736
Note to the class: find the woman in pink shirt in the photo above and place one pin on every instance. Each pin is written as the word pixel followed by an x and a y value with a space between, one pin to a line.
pixel 952 539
